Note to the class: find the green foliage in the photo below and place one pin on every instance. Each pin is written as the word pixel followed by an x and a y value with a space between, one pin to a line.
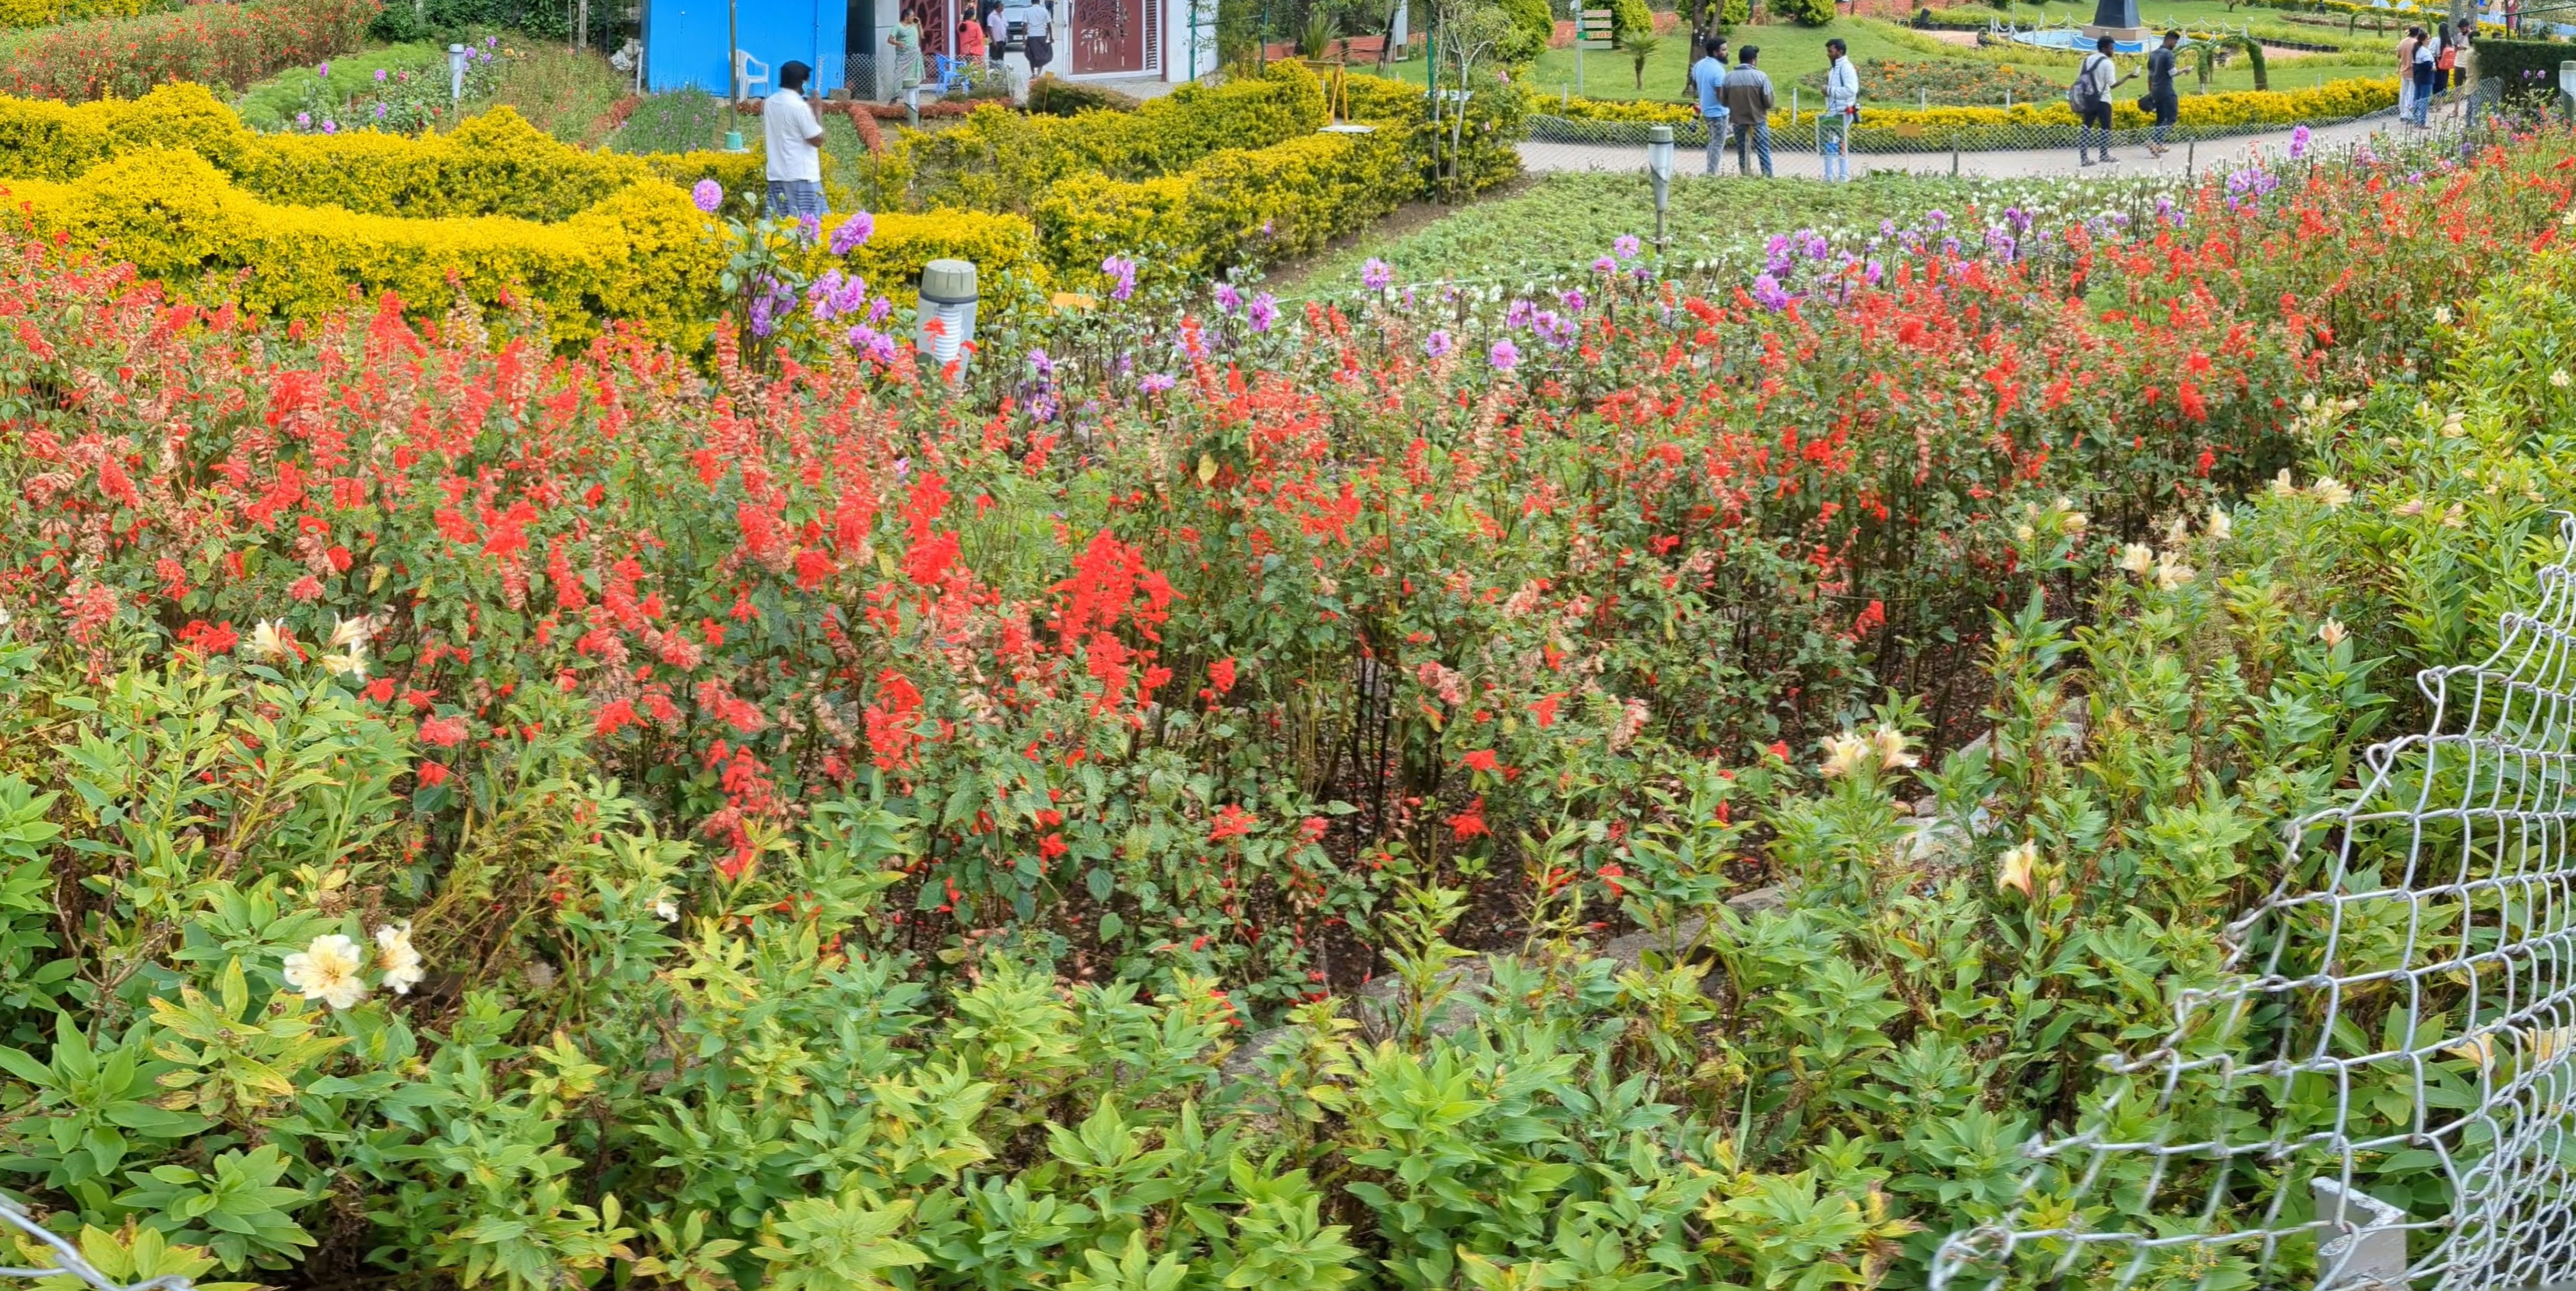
pixel 1805 13
pixel 1533 25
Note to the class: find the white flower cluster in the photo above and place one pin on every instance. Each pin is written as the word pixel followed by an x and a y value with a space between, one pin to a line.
pixel 332 969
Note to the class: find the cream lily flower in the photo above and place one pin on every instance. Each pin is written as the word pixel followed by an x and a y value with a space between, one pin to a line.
pixel 2137 557
pixel 1890 743
pixel 271 641
pixel 2331 632
pixel 1846 754
pixel 2014 870
pixel 2220 524
pixel 2172 573
pixel 327 971
pixel 400 960
pixel 2075 523
pixel 2281 485
pixel 2332 492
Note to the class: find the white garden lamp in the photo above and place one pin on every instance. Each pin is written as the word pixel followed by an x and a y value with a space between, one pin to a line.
pixel 2567 85
pixel 948 299
pixel 1659 168
pixel 456 73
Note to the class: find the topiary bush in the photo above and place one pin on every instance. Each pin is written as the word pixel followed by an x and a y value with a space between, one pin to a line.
pixel 1806 13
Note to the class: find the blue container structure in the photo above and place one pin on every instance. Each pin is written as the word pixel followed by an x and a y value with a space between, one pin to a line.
pixel 684 42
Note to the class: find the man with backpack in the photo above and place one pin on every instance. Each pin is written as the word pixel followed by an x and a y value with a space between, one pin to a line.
pixel 2090 96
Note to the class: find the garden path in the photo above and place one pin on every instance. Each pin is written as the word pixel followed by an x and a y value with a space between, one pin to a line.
pixel 2015 163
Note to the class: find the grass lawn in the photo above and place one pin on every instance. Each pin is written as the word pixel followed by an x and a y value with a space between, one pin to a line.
pixel 1791 53
pixel 1563 222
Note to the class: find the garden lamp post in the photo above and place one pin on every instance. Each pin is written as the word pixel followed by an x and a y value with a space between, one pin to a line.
pixel 455 73
pixel 733 76
pixel 2567 86
pixel 947 299
pixel 1659 168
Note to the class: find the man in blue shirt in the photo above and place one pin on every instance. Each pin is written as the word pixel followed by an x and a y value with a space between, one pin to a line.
pixel 1706 76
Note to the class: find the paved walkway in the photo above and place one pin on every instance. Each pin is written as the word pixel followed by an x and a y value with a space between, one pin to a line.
pixel 2003 164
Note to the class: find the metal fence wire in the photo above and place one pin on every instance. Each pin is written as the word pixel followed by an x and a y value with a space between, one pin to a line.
pixel 1566 143
pixel 2377 1090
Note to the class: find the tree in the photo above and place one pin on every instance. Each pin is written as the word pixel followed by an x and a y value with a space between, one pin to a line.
pixel 1641 48
pixel 1471 34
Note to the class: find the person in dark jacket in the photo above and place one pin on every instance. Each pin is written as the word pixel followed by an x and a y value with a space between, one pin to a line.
pixel 1747 96
pixel 2161 98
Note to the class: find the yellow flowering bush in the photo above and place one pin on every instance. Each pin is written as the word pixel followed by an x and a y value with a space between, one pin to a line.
pixel 494 210
pixel 45 13
pixel 1895 128
pixel 640 253
pixel 997 159
pixel 1236 206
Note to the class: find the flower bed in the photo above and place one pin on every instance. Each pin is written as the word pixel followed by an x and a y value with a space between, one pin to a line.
pixel 552 821
pixel 400 88
pixel 228 45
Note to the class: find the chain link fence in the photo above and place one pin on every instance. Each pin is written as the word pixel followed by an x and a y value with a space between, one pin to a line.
pixel 2376 1091
pixel 67 1258
pixel 1565 143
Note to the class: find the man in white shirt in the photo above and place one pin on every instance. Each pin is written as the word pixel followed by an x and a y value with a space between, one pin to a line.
pixel 793 140
pixel 1037 24
pixel 1842 105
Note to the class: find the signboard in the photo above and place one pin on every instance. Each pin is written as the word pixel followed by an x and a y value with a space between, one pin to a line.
pixel 1593 30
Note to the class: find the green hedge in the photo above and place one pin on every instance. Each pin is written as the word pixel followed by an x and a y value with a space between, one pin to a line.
pixel 2528 68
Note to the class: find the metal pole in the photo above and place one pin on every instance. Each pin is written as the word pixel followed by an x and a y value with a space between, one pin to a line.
pixel 733 73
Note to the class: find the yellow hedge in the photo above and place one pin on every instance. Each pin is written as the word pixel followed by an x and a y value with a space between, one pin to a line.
pixel 2332 101
pixel 1001 160
pixel 1238 206
pixel 492 164
pixel 892 258
pixel 642 253
pixel 45 13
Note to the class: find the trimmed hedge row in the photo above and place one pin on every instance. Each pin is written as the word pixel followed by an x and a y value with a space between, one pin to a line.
pixel 45 13
pixel 1240 206
pixel 2528 68
pixel 1006 161
pixel 1210 178
pixel 494 210
pixel 1898 129
pixel 493 164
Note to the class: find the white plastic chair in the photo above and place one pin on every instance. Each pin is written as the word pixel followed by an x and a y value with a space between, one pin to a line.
pixel 744 78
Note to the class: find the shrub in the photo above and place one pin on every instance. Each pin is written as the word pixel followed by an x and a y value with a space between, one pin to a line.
pixel 1630 18
pixel 228 45
pixel 1002 160
pixel 593 235
pixel 1806 13
pixel 1052 95
pixel 2528 69
pixel 45 13
pixel 1898 129
pixel 1236 207
pixel 1533 26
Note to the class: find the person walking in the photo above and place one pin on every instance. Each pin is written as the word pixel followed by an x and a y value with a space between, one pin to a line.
pixel 1747 93
pixel 794 141
pixel 1037 25
pixel 905 44
pixel 2406 73
pixel 2427 50
pixel 2161 98
pixel 2446 65
pixel 1842 107
pixel 1707 78
pixel 2090 96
